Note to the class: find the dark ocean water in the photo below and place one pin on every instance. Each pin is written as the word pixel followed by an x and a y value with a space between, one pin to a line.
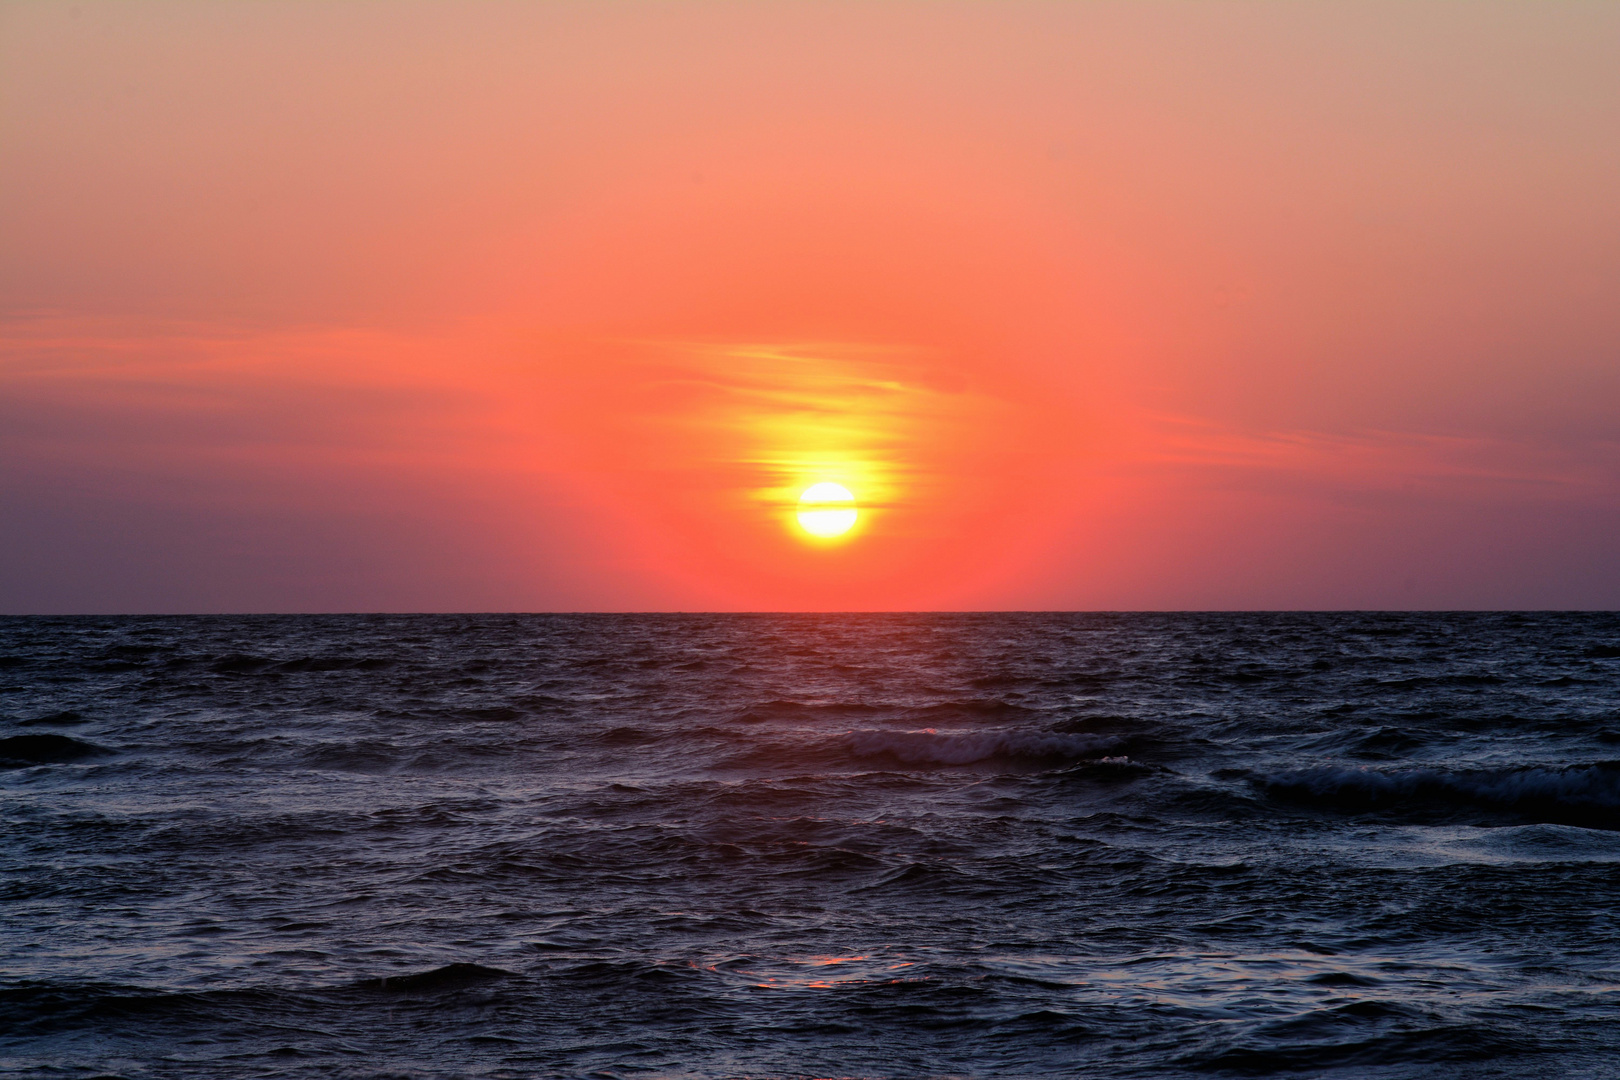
pixel 1361 845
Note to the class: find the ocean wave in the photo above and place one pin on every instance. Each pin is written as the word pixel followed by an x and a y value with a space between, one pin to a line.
pixel 243 664
pixel 1360 1034
pixel 45 749
pixel 62 718
pixel 968 708
pixel 1541 842
pixel 1587 795
pixel 780 709
pixel 1369 744
pixel 930 747
pixel 448 978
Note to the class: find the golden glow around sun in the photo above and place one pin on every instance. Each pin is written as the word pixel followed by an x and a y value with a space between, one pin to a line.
pixel 827 509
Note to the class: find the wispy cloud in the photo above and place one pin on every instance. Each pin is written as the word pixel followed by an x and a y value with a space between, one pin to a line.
pixel 783 416
pixel 1371 460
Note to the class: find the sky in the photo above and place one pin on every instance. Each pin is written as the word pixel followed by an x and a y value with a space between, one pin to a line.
pixel 408 306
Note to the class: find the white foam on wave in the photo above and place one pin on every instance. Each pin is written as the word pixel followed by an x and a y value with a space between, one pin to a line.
pixel 931 747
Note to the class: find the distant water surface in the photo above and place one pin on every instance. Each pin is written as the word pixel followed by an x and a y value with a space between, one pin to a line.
pixel 1362 845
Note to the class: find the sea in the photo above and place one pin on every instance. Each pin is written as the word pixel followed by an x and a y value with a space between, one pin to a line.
pixel 871 845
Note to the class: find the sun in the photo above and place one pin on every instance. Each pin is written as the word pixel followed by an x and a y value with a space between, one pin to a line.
pixel 827 509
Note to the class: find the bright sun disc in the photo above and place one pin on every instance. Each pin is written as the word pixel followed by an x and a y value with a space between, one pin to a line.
pixel 826 510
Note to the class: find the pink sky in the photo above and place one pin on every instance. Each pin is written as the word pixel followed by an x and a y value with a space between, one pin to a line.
pixel 408 306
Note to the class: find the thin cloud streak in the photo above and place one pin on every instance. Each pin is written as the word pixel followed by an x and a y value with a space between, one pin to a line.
pixel 1371 459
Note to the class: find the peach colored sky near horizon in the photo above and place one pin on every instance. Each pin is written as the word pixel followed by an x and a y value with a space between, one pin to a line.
pixel 500 306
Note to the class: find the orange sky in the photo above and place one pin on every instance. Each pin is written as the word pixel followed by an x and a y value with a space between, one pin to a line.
pixel 400 306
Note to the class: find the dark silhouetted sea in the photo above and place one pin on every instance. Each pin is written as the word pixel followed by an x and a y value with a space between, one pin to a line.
pixel 1021 845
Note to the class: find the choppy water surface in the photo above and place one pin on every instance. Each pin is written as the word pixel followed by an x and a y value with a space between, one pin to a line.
pixel 979 845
